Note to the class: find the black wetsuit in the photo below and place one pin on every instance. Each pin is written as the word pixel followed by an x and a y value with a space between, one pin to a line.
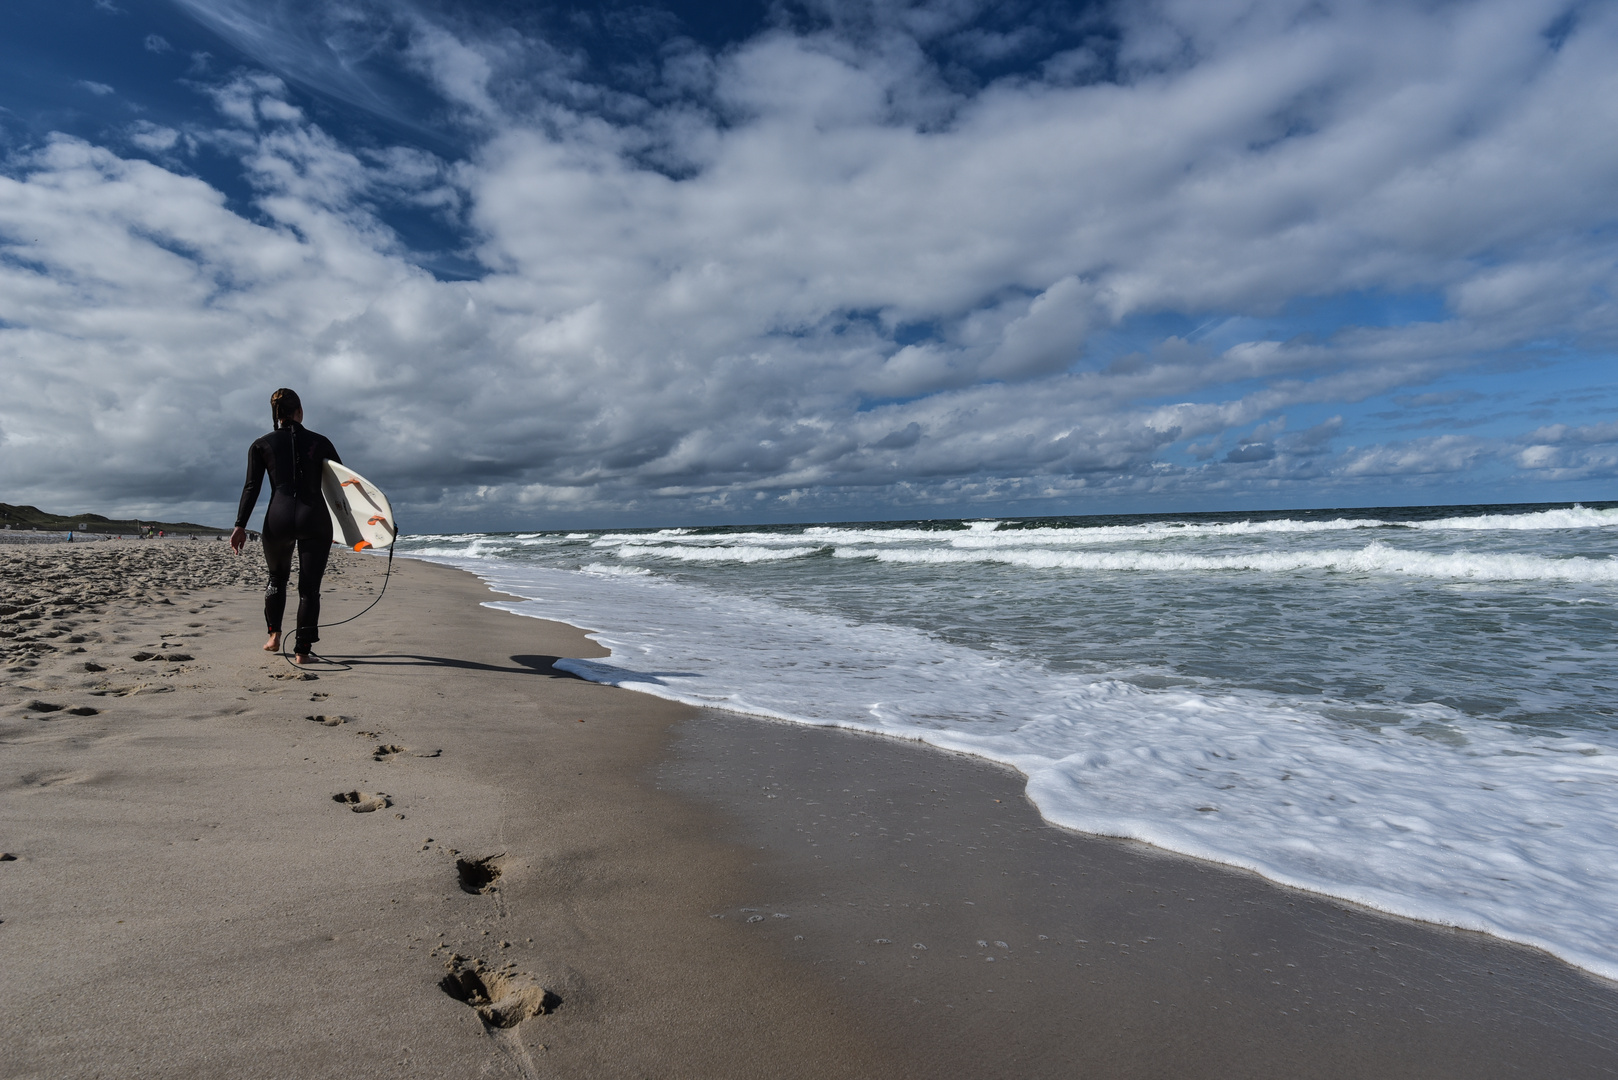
pixel 297 517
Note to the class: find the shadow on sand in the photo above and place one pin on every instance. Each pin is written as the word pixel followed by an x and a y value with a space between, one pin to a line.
pixel 523 665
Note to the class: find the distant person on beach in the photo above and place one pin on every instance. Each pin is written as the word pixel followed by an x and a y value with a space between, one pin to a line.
pixel 296 518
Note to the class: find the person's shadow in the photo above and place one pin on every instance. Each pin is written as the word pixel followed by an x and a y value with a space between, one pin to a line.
pixel 526 664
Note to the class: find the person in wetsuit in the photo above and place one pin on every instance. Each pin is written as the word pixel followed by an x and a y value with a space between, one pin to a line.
pixel 297 517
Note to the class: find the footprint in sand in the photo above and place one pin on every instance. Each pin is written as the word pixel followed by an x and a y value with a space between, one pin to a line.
pixel 501 999
pixel 479 875
pixel 362 802
pixel 389 751
pixel 51 779
pixel 330 721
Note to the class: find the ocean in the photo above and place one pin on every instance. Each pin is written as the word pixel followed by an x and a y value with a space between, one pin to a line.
pixel 1413 708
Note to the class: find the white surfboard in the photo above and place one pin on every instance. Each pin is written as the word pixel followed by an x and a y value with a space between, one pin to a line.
pixel 360 515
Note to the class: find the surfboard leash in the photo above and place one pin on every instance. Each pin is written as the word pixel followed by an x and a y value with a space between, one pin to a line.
pixel 386 575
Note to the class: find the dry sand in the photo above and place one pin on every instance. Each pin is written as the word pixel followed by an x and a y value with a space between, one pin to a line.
pixel 451 860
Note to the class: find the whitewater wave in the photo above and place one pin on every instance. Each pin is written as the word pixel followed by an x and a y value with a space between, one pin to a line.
pixel 1372 559
pixel 609 570
pixel 1573 517
pixel 1002 535
pixel 745 553
pixel 1437 817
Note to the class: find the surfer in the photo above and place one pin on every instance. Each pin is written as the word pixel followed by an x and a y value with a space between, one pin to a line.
pixel 296 518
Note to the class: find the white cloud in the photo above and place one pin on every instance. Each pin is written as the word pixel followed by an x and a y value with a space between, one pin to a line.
pixel 249 97
pixel 1539 457
pixel 1439 454
pixel 1585 434
pixel 153 138
pixel 99 89
pixel 852 282
pixel 1561 452
pixel 460 70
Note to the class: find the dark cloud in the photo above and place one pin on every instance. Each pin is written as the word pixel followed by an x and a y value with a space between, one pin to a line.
pixel 1251 452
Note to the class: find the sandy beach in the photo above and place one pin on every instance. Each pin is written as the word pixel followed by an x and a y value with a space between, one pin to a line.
pixel 442 857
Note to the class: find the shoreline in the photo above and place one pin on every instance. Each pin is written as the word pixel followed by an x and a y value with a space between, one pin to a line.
pixel 1161 964
pixel 1440 905
pixel 192 896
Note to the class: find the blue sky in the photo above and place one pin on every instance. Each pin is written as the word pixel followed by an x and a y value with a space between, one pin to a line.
pixel 557 266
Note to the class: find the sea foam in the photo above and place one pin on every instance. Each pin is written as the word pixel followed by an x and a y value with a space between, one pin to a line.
pixel 1374 558
pixel 1407 722
pixel 1515 840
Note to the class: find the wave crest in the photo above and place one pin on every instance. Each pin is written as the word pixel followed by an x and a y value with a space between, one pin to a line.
pixel 1374 558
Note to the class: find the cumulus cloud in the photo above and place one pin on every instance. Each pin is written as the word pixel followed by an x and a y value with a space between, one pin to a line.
pixel 1571 452
pixel 153 138
pixel 1581 435
pixel 1439 454
pixel 817 267
pixel 249 98
pixel 1251 452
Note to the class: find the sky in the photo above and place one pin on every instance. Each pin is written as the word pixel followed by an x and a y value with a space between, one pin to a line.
pixel 537 265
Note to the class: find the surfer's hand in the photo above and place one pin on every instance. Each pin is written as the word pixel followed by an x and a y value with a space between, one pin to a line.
pixel 238 537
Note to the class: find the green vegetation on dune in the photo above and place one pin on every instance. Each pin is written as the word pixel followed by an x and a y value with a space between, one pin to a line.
pixel 32 517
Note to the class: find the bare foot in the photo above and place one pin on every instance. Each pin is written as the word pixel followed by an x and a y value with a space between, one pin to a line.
pixel 300 658
pixel 274 644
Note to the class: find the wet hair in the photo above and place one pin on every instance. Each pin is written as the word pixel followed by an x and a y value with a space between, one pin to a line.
pixel 284 405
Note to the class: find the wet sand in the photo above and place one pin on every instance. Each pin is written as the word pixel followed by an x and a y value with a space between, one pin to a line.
pixel 929 890
pixel 467 863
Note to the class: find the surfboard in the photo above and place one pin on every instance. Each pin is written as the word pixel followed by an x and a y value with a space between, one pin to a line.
pixel 360 515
